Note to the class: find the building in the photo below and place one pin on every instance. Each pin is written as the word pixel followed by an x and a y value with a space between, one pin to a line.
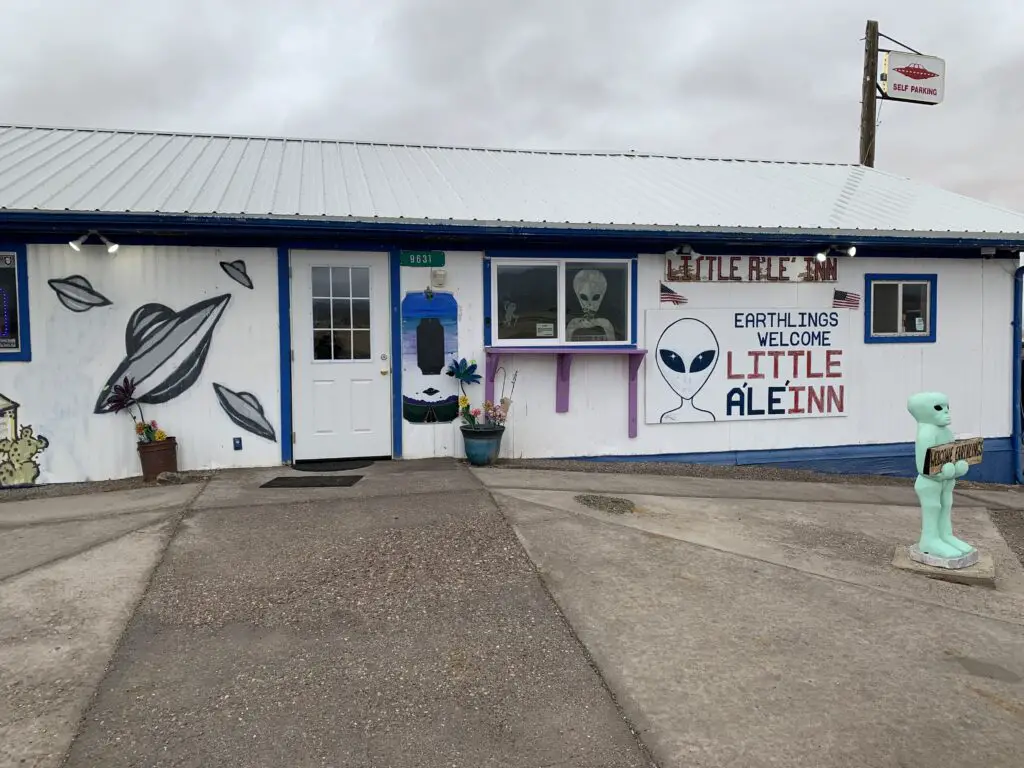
pixel 276 300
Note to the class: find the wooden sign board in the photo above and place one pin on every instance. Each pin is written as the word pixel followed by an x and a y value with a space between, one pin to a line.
pixel 967 450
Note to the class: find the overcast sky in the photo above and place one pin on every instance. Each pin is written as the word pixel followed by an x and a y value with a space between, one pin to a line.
pixel 772 79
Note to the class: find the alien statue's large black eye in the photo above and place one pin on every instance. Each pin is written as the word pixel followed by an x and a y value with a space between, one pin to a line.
pixel 702 361
pixel 673 361
pixel 938 407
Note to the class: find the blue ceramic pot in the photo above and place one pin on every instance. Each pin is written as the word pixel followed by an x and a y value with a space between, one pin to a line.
pixel 482 444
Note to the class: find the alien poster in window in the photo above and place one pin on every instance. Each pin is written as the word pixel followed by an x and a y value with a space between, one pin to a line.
pixel 596 304
pixel 708 365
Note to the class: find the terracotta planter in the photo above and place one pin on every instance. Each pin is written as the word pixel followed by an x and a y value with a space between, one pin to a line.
pixel 159 456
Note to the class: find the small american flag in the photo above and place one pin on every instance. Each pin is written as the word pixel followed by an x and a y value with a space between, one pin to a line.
pixel 670 296
pixel 842 299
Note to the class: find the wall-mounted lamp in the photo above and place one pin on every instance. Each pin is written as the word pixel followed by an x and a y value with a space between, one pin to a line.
pixel 77 243
pixel 822 255
pixel 682 250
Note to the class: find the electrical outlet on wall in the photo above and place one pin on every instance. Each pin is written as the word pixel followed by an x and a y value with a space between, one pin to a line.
pixel 238 443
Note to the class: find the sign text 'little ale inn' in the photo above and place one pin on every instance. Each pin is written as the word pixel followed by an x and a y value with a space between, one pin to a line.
pixel 693 268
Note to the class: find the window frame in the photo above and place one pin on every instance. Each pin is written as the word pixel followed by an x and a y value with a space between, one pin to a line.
pixel 312 314
pixel 901 279
pixel 496 261
pixel 24 352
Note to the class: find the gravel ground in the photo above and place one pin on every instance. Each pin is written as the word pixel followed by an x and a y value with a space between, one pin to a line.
pixel 610 504
pixel 406 630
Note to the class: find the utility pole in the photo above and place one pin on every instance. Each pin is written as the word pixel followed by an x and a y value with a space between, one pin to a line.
pixel 868 96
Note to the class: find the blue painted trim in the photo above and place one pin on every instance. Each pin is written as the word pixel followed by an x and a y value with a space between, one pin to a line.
pixel 284 320
pixel 933 307
pixel 889 459
pixel 1018 343
pixel 395 290
pixel 73 223
pixel 633 294
pixel 487 299
pixel 24 352
pixel 560 254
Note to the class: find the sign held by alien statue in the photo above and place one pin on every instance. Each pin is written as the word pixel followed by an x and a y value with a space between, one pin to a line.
pixel 745 364
pixel 969 450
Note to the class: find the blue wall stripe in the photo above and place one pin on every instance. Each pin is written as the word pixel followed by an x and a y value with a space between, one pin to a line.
pixel 284 319
pixel 892 459
pixel 633 294
pixel 395 283
pixel 487 299
pixel 1015 361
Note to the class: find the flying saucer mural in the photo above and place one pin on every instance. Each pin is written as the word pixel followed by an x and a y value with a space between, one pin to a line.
pixel 164 350
pixel 236 270
pixel 77 294
pixel 245 410
pixel 430 337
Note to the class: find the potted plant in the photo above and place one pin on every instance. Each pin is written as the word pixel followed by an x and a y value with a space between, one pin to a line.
pixel 482 428
pixel 158 452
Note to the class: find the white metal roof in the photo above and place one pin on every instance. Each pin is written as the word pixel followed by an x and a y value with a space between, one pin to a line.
pixel 60 169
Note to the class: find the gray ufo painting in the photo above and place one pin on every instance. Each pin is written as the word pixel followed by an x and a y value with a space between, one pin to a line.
pixel 77 294
pixel 236 271
pixel 245 410
pixel 165 350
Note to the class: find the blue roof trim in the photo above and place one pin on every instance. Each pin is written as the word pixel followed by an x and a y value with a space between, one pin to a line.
pixel 60 225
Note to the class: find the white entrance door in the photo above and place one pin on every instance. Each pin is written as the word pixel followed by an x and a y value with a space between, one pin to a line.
pixel 341 340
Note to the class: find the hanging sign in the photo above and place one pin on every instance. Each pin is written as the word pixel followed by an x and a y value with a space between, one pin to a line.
pixel 912 77
pixel 693 268
pixel 741 364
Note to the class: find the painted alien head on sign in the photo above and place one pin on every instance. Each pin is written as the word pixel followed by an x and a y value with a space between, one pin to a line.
pixel 687 354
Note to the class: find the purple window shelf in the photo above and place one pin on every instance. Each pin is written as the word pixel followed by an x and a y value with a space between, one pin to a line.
pixel 564 357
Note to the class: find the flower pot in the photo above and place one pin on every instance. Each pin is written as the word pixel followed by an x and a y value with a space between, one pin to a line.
pixel 158 456
pixel 482 444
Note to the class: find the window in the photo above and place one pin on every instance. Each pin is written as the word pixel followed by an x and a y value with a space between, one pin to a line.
pixel 563 301
pixel 341 313
pixel 14 335
pixel 900 308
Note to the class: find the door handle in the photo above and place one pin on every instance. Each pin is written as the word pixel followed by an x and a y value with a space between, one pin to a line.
pixel 384 371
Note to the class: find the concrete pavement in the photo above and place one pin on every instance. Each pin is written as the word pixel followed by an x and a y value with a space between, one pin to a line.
pixel 761 624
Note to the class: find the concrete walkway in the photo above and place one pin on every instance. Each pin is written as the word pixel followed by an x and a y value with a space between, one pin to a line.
pixel 761 624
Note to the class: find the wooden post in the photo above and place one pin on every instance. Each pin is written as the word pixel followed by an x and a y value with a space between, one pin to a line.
pixel 868 96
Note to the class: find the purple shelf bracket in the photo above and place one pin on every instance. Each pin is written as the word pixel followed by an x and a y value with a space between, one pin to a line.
pixel 634 366
pixel 562 383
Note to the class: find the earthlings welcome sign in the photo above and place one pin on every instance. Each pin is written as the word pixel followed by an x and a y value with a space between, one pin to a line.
pixel 730 364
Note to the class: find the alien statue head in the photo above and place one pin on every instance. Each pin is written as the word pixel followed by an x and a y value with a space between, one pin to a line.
pixel 930 408
pixel 687 354
pixel 589 285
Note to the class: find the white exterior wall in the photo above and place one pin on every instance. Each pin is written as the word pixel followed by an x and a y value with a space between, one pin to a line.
pixel 970 361
pixel 74 353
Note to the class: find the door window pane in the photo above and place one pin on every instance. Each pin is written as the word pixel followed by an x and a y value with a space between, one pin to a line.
pixel 527 297
pixel 360 345
pixel 360 313
pixel 596 301
pixel 335 314
pixel 360 282
pixel 915 308
pixel 322 282
pixel 322 313
pixel 885 311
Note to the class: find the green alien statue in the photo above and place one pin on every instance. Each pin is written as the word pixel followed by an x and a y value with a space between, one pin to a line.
pixel 935 492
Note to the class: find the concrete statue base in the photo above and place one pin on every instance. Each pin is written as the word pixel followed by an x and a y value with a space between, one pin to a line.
pixel 951 563
pixel 982 573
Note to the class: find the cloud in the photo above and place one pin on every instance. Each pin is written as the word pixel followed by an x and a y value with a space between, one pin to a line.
pixel 725 78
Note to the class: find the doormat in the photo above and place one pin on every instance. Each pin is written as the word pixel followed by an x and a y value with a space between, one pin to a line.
pixel 314 481
pixel 337 465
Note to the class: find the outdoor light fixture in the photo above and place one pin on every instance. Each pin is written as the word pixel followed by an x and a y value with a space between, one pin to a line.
pixel 77 243
pixel 822 255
